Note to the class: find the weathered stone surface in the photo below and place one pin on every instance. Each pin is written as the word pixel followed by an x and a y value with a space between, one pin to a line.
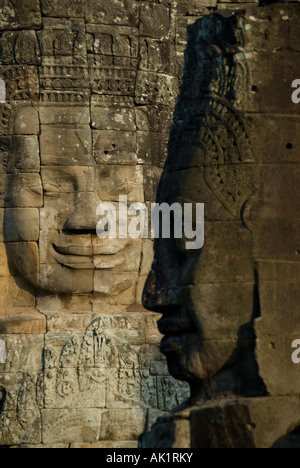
pixel 152 148
pixel 115 181
pixel 109 444
pixel 260 99
pixel 111 283
pixel 64 146
pixel 168 432
pixel 114 147
pixel 67 179
pixel 25 157
pixel 153 88
pixel 27 265
pixel 147 256
pixel 21 225
pixel 114 116
pixel 195 7
pixel 57 208
pixel 58 279
pixel 155 19
pixel 63 8
pixel 12 432
pixel 281 138
pixel 226 424
pixel 14 294
pixel 121 12
pixel 22 16
pixel 24 191
pixel 30 322
pixel 26 122
pixel 19 355
pixel 157 56
pixel 21 82
pixel 129 423
pixel 65 115
pixel 65 426
pixel 62 38
pixel 156 119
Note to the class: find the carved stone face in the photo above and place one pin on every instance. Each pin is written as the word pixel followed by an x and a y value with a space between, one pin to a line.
pixel 221 304
pixel 54 186
pixel 209 298
pixel 206 296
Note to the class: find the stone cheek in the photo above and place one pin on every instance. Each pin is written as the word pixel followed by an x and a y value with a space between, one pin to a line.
pixel 90 92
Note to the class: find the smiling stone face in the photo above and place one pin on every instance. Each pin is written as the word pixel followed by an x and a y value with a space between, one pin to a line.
pixel 53 189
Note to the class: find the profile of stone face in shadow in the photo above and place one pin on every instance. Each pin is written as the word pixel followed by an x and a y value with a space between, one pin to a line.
pixel 233 148
pixel 54 184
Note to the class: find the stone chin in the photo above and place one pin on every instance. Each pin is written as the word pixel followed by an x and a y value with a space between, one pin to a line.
pixel 53 278
pixel 194 360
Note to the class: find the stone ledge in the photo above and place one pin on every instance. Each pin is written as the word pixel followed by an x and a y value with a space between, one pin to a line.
pixel 28 322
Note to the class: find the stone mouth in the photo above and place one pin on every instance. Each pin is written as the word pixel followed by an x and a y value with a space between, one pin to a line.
pixel 82 258
pixel 73 250
pixel 175 324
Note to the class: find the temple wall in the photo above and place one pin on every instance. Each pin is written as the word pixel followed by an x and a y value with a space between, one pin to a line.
pixel 83 369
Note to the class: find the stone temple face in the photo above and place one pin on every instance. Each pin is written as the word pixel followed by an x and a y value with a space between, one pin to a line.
pixel 229 310
pixel 87 98
pixel 90 89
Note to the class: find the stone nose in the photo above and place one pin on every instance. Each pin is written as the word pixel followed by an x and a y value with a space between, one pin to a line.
pixel 149 297
pixel 159 297
pixel 84 217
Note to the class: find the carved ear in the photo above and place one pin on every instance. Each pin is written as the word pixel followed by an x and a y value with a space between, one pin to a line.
pixel 247 211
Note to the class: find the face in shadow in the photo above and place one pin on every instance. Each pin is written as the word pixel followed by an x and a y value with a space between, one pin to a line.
pixel 216 301
pixel 205 295
pixel 54 186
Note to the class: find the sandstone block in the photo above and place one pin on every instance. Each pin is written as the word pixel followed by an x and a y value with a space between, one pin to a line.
pixel 25 155
pixel 152 148
pixel 67 179
pixel 23 351
pixel 21 224
pixel 154 118
pixel 65 426
pixel 65 146
pixel 24 191
pixel 113 181
pixel 97 12
pixel 63 8
pixel 26 121
pixel 155 19
pixel 64 115
pixel 113 147
pixel 25 16
pixel 152 88
pixel 113 117
pixel 128 424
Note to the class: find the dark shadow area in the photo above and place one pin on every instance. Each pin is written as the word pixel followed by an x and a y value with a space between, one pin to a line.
pixel 290 440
